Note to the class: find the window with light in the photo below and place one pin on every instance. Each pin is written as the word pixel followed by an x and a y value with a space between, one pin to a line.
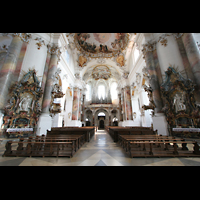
pixel 88 92
pixel 114 94
pixel 101 91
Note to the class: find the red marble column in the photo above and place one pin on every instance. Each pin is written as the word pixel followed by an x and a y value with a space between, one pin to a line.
pixel 79 109
pixel 8 69
pixel 75 108
pixel 185 60
pixel 128 105
pixel 153 67
pixel 193 55
pixel 55 55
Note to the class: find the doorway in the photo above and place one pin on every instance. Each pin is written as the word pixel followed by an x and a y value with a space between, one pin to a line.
pixel 88 123
pixel 101 124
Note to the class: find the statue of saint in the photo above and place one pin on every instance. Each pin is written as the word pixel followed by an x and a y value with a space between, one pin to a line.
pixel 25 103
pixel 179 102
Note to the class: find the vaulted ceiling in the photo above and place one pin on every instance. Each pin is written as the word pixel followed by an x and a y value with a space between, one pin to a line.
pixel 101 55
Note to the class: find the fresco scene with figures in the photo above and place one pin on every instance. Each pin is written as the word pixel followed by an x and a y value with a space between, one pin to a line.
pixel 99 99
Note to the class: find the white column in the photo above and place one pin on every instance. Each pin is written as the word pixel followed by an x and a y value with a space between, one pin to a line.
pixel 135 108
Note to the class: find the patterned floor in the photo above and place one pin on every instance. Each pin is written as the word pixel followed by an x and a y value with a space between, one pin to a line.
pixel 100 151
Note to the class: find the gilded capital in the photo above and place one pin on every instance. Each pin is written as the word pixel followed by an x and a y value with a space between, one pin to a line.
pixel 24 36
pixel 54 50
pixel 149 46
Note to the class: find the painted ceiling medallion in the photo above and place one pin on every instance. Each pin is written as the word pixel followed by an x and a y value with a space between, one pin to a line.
pixel 101 72
pixel 95 44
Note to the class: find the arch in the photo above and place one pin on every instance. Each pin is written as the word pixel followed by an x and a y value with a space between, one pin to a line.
pixel 105 118
pixel 101 114
pixel 105 110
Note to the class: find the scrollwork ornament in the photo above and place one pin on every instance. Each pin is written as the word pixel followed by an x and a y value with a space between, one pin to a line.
pixel 54 50
pixel 40 42
pixel 24 36
pixel 149 46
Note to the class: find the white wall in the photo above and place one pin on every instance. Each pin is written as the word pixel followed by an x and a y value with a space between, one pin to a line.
pixel 169 54
pixel 34 59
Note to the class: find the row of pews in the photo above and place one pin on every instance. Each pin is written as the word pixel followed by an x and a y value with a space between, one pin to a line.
pixel 61 141
pixel 145 142
pixel 115 131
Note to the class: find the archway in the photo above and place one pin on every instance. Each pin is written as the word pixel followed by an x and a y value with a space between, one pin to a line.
pixel 101 117
pixel 101 124
pixel 88 120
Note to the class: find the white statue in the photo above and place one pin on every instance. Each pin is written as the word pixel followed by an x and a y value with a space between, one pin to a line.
pixel 25 103
pixel 179 102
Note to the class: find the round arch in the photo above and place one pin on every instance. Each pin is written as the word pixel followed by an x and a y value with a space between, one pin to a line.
pixel 101 121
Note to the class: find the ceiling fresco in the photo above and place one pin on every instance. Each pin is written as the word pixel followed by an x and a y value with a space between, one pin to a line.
pixel 101 72
pixel 96 44
pixel 101 55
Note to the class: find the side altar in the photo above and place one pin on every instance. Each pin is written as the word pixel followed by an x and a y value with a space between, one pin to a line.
pixel 22 112
pixel 181 111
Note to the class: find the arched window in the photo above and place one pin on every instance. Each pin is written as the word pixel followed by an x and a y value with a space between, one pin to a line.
pixel 101 91
pixel 136 54
pixel 101 114
pixel 67 56
pixel 88 92
pixel 113 90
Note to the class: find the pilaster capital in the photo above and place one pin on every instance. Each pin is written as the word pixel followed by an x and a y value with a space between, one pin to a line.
pixel 24 36
pixel 149 46
pixel 54 50
pixel 177 35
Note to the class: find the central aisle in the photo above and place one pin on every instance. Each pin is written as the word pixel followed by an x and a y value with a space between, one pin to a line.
pixel 100 151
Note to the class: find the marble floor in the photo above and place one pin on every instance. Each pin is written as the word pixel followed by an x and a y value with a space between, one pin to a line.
pixel 100 151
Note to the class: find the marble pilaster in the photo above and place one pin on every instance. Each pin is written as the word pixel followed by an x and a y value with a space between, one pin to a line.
pixel 75 108
pixel 55 56
pixel 8 69
pixel 150 55
pixel 193 57
pixel 127 102
pixel 185 60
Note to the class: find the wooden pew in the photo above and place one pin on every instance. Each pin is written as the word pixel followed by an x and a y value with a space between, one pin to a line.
pixel 116 131
pixel 149 149
pixel 60 141
pixel 88 132
pixel 77 140
pixel 124 140
pixel 40 149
